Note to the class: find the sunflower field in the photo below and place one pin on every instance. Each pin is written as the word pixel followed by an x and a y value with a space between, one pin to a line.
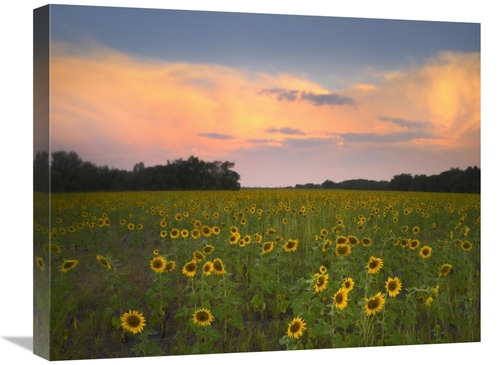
pixel 172 273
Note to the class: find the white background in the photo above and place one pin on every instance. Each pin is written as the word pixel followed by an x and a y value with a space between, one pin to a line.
pixel 16 260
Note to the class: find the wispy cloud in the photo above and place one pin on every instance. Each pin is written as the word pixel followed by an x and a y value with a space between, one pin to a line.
pixel 407 123
pixel 316 99
pixel 395 137
pixel 285 130
pixel 216 135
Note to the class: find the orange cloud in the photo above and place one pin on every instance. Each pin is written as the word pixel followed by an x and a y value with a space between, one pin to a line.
pixel 104 99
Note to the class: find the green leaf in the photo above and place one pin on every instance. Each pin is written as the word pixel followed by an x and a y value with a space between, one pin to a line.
pixel 116 322
pixel 137 349
pixel 237 320
pixel 153 349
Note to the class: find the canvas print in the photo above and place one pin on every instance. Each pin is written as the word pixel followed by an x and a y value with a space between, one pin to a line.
pixel 214 182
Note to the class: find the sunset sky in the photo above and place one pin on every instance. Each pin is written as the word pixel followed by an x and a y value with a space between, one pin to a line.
pixel 289 99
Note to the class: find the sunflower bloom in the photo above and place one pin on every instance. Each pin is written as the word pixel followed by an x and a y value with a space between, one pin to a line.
pixel 52 247
pixel 296 328
pixel 291 245
pixel 445 270
pixel 267 247
pixel 104 262
pixel 68 265
pixel 198 256
pixel 208 249
pixel 208 268
pixel 39 263
pixel 348 284
pixel 414 244
pixel 393 286
pixel 321 282
pixel 175 233
pixel 366 242
pixel 190 268
pixel 323 269
pixel 466 246
pixel 375 304
pixel 158 264
pixel 425 252
pixel 340 298
pixel 203 317
pixel 219 267
pixel 342 249
pixel 133 321
pixel 326 244
pixel 169 266
pixel 374 265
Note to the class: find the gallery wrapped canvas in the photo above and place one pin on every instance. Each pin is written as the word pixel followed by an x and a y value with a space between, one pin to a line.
pixel 211 183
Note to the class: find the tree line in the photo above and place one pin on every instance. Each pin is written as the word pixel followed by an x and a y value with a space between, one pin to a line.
pixel 454 180
pixel 69 173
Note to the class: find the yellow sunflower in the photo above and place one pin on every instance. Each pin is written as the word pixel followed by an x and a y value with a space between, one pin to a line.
pixel 340 298
pixel 342 249
pixel 218 267
pixel 366 242
pixel 267 247
pixel 466 246
pixel 133 321
pixel 206 231
pixel 190 268
pixel 203 317
pixel 271 231
pixel 234 238
pixel 393 286
pixel 414 244
pixel 428 301
pixel 170 266
pixel 39 263
pixel 348 284
pixel 158 264
pixel 175 233
pixel 208 249
pixel 375 304
pixel 323 269
pixel 104 262
pixel 68 265
pixel 353 240
pixel 195 233
pixel 425 252
pixel 342 240
pixel 445 270
pixel 326 244
pixel 374 265
pixel 184 233
pixel 321 282
pixel 296 328
pixel 52 247
pixel 291 245
pixel 130 226
pixel 208 268
pixel 198 256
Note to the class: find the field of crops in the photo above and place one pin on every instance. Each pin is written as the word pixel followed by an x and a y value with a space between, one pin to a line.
pixel 171 273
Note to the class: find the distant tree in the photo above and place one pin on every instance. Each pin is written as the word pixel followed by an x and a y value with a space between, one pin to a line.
pixel 401 182
pixel 41 172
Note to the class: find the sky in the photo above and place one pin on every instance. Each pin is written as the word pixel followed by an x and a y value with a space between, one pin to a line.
pixel 290 99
